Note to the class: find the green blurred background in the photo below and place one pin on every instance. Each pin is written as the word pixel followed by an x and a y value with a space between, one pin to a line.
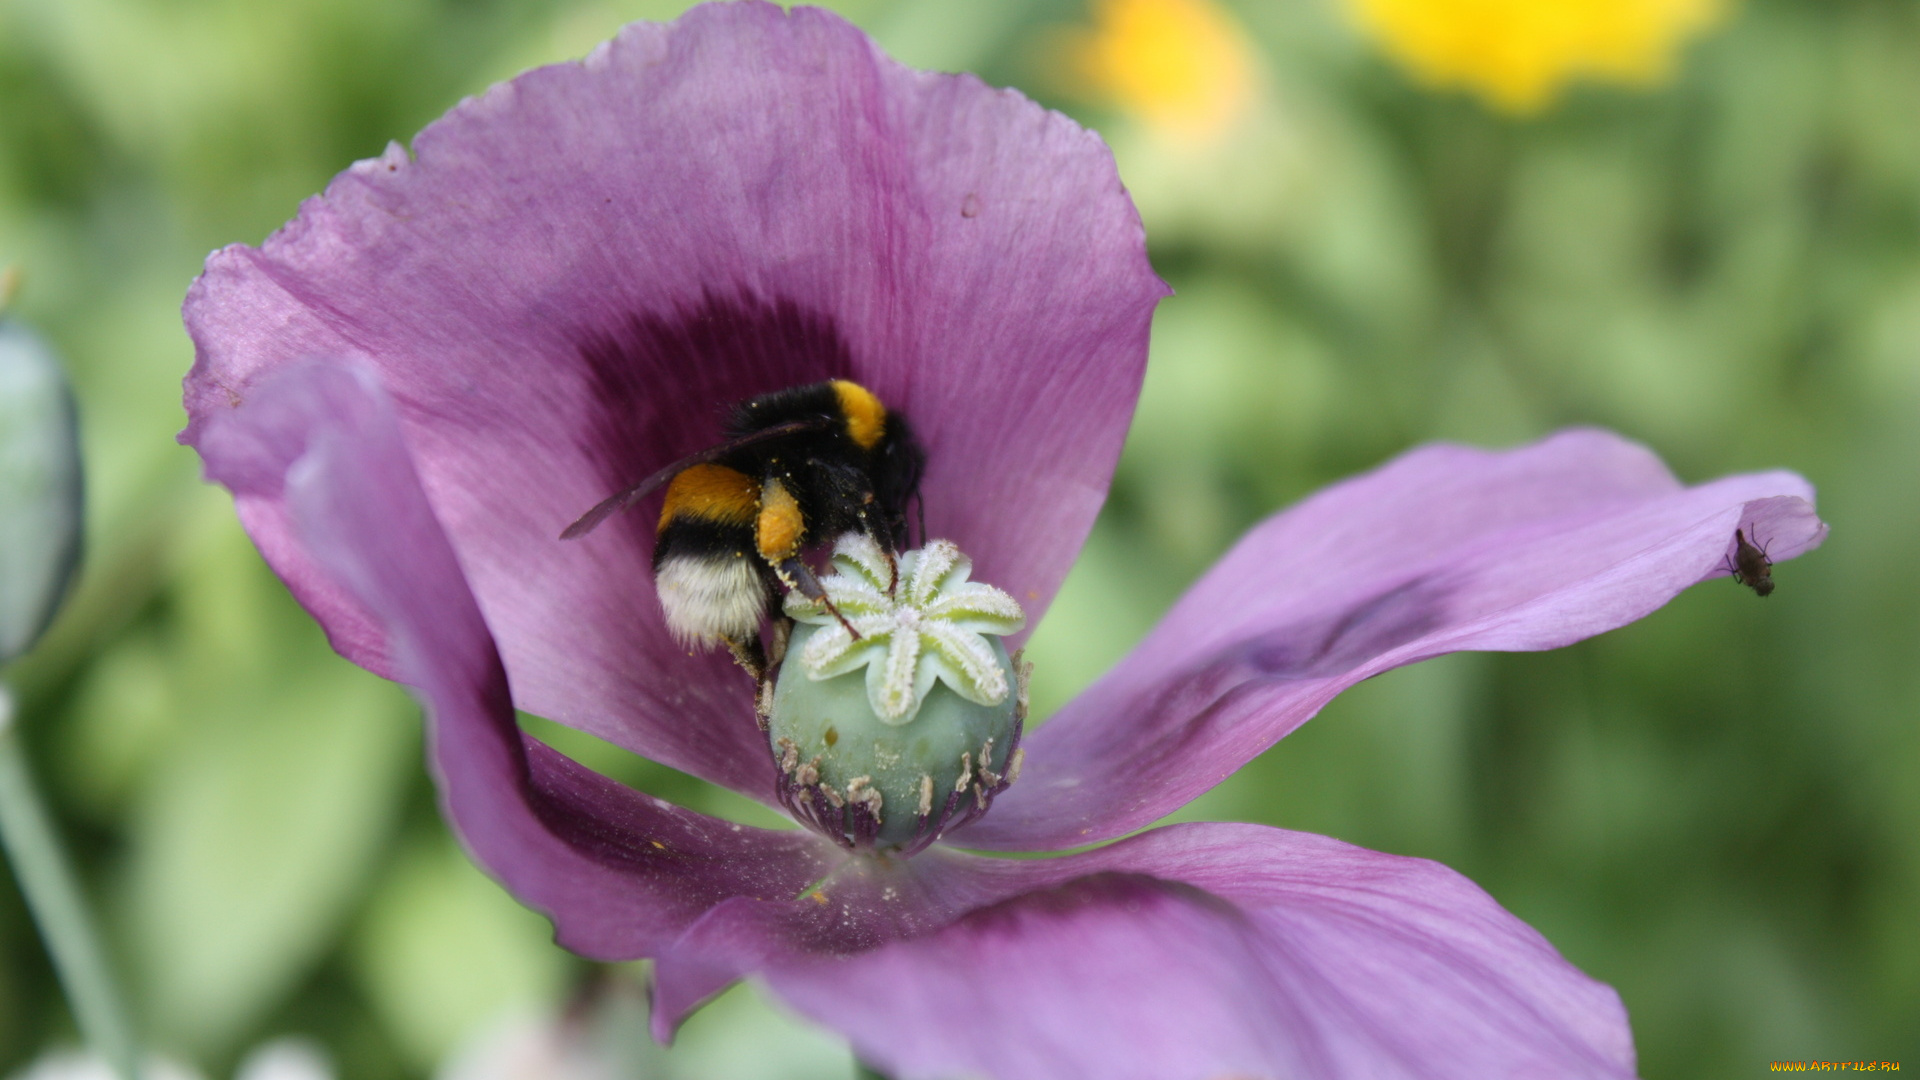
pixel 1716 810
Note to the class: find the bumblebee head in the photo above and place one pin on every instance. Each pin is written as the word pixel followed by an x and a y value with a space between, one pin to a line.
pixel 896 459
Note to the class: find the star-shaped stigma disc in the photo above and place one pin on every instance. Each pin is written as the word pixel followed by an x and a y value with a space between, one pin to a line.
pixel 918 619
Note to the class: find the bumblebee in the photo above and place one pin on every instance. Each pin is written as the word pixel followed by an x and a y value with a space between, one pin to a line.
pixel 798 466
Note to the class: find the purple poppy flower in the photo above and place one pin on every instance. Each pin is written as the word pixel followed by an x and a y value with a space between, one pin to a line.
pixel 444 359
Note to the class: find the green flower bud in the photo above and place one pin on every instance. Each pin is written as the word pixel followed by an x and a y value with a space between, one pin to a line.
pixel 39 488
pixel 897 712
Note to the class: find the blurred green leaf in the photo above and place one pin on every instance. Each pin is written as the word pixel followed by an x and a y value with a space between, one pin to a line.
pixel 443 952
pixel 254 836
pixel 745 1035
pixel 123 717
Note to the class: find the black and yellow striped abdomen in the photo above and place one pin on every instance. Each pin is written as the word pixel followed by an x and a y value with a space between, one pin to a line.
pixel 705 563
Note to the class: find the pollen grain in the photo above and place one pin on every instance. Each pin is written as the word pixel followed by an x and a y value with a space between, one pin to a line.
pixel 780 526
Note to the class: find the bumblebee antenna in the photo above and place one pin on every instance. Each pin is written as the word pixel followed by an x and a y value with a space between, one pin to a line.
pixel 625 500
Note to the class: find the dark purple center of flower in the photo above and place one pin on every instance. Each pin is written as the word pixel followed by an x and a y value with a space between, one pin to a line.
pixel 662 382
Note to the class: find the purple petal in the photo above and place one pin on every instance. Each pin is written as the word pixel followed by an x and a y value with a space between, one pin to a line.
pixel 1444 549
pixel 620 873
pixel 1208 951
pixel 581 267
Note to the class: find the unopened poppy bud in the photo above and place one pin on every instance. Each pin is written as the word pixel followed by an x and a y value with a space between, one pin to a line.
pixel 39 488
pixel 897 711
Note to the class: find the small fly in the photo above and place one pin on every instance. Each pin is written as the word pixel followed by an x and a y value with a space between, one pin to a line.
pixel 1750 565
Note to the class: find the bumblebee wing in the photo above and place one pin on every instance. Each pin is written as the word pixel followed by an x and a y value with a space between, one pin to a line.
pixel 623 500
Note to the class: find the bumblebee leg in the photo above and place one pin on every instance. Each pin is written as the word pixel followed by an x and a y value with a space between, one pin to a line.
pixel 782 632
pixel 749 655
pixel 779 632
pixel 799 577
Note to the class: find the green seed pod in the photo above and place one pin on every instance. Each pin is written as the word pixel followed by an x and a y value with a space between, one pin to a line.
pixel 897 712
pixel 40 495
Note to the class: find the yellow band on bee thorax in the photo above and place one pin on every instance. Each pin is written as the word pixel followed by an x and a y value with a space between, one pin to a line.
pixel 866 417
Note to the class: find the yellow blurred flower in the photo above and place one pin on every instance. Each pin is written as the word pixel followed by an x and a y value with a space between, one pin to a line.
pixel 1520 53
pixel 1183 68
